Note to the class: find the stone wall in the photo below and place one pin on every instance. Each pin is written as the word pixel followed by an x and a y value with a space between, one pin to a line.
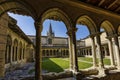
pixel 3 30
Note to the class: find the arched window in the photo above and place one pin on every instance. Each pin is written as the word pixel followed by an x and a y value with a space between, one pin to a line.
pixel 8 50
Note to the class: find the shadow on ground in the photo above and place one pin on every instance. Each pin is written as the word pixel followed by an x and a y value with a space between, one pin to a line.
pixel 51 66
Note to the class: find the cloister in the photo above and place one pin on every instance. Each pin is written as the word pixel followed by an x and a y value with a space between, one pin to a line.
pixel 92 13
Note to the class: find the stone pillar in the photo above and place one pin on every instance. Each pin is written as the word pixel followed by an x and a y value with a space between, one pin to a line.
pixel 38 54
pixel 72 35
pixel 110 45
pixel 94 51
pixel 11 60
pixel 70 51
pixel 105 50
pixel 117 50
pixel 100 56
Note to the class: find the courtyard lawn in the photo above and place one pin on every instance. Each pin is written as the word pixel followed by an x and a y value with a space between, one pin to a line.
pixel 55 64
pixel 85 59
pixel 60 64
pixel 106 61
pixel 83 65
pixel 88 59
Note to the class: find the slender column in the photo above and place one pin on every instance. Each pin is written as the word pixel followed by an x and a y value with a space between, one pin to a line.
pixel 105 49
pixel 117 50
pixel 11 54
pixel 110 45
pixel 38 54
pixel 74 49
pixel 100 59
pixel 70 51
pixel 93 51
pixel 102 71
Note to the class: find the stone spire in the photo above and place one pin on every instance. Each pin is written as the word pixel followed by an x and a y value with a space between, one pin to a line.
pixel 50 33
pixel 50 29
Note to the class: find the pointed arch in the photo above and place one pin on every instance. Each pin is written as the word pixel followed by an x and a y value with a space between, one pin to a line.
pixel 108 27
pixel 86 20
pixel 56 14
pixel 8 49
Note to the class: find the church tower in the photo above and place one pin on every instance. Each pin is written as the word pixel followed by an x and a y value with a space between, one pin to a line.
pixel 50 35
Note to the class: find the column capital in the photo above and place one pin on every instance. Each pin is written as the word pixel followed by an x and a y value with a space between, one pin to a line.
pixel 95 34
pixel 38 25
pixel 71 31
pixel 109 37
pixel 112 36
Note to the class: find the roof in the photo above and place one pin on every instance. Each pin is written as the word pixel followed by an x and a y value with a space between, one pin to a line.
pixel 15 28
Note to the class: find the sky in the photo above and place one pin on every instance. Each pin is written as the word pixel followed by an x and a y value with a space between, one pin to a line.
pixel 27 25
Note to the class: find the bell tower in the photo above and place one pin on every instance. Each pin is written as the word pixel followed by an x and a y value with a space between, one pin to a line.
pixel 50 34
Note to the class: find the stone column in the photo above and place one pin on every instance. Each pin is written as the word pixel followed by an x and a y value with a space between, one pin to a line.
pixel 72 34
pixel 100 55
pixel 105 49
pixel 101 69
pixel 11 54
pixel 117 50
pixel 70 50
pixel 38 54
pixel 110 45
pixel 93 51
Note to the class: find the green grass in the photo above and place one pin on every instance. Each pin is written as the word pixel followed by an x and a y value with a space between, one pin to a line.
pixel 83 65
pixel 106 61
pixel 86 59
pixel 55 64
pixel 60 64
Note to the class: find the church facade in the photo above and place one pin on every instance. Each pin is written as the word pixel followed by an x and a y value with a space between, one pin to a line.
pixel 53 46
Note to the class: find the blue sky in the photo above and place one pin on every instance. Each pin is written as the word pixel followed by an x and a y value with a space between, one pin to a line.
pixel 27 25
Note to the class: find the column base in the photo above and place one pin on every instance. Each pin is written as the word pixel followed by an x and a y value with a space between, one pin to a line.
pixel 102 72
pixel 78 75
pixel 118 67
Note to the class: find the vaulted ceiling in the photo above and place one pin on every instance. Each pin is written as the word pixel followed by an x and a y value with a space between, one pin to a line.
pixel 111 5
pixel 38 5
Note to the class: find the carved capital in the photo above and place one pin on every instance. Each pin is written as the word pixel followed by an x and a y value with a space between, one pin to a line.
pixel 92 36
pixel 109 37
pixel 71 31
pixel 112 36
pixel 38 25
pixel 74 29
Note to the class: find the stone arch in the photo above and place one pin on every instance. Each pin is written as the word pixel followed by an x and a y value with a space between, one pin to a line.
pixel 86 20
pixel 57 14
pixel 15 42
pixel 9 40
pixel 16 5
pixel 8 49
pixel 108 27
pixel 15 49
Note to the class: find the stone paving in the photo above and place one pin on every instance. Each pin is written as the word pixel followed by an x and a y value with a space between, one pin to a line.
pixel 20 72
pixel 24 71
